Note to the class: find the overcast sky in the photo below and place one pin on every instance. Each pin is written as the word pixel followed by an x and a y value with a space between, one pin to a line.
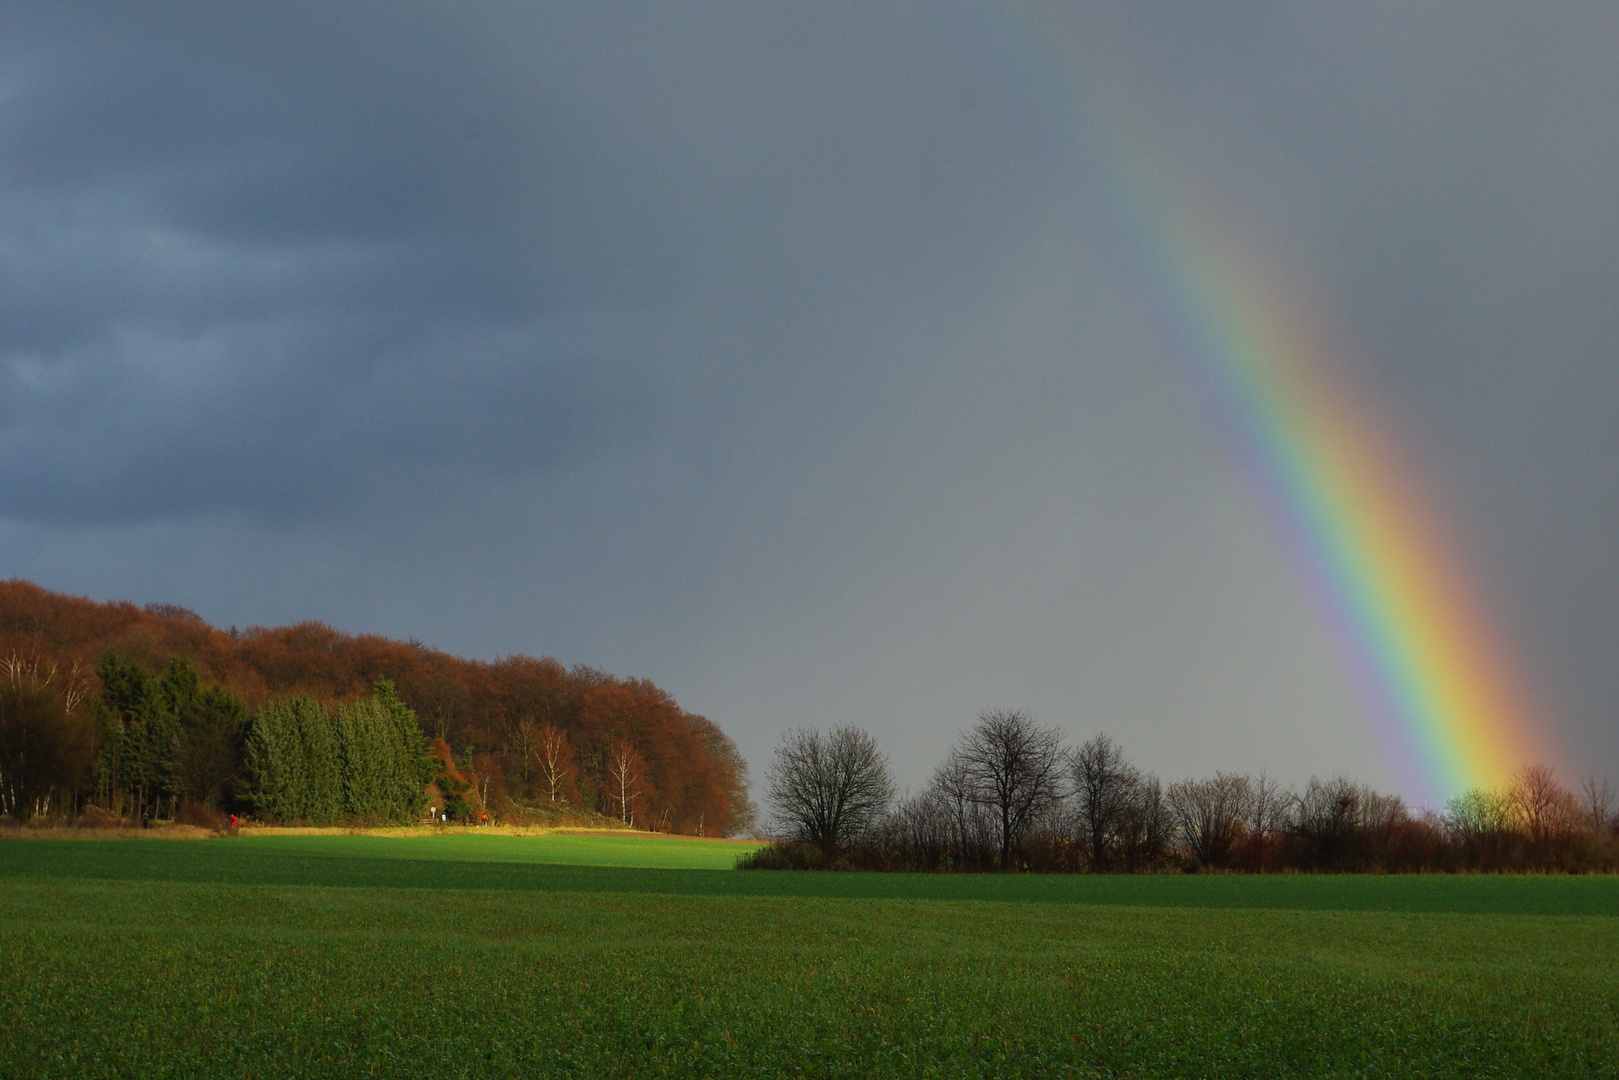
pixel 779 354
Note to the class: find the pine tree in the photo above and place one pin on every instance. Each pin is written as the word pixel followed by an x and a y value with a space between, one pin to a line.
pixel 292 763
pixel 412 766
pixel 137 713
pixel 273 762
pixel 323 779
pixel 369 753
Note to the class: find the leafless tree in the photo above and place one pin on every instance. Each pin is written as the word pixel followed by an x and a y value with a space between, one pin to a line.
pixel 1379 828
pixel 441 703
pixel 45 750
pixel 829 789
pixel 1212 814
pixel 1015 767
pixel 556 767
pixel 1381 812
pixel 73 684
pixel 953 795
pixel 624 779
pixel 1143 829
pixel 523 736
pixel 1325 816
pixel 1105 789
pixel 1543 805
pixel 1268 811
pixel 920 826
pixel 1596 800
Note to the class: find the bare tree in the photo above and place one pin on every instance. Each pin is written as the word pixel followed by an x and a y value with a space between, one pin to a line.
pixel 45 750
pixel 1596 801
pixel 1105 787
pixel 74 686
pixel 1326 815
pixel 1142 831
pixel 442 703
pixel 828 789
pixel 523 736
pixel 1381 812
pixel 1544 807
pixel 1015 767
pixel 920 826
pixel 556 763
pixel 953 795
pixel 1212 814
pixel 624 779
pixel 1268 810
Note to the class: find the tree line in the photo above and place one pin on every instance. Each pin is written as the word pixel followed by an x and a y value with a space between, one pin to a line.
pixel 521 737
pixel 1010 796
pixel 148 746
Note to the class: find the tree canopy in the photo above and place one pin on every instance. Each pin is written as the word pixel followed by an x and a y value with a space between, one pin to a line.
pixel 176 699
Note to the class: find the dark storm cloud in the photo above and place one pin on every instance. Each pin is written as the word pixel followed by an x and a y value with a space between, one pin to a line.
pixel 262 262
pixel 267 257
pixel 771 352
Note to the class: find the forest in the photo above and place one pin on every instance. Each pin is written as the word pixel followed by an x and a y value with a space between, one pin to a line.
pixel 128 714
pixel 149 712
pixel 1011 796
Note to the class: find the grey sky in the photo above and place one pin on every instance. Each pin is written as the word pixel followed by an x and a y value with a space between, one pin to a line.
pixel 775 354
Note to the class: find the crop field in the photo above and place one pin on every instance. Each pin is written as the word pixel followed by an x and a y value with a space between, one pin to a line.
pixel 486 955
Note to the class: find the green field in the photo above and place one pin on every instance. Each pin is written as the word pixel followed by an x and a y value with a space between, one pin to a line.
pixel 481 955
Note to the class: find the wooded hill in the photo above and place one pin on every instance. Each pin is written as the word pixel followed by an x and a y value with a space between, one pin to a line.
pixel 531 735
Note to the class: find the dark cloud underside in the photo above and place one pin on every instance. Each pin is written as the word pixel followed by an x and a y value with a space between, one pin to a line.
pixel 774 353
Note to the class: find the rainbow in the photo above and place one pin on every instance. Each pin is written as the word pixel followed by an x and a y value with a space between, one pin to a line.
pixel 1438 687
pixel 1440 690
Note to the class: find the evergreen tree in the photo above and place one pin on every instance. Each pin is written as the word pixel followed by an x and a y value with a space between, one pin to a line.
pixel 323 778
pixel 140 729
pixel 208 751
pixel 413 766
pixel 368 761
pixel 291 763
pixel 172 736
pixel 273 762
pixel 179 686
pixel 370 753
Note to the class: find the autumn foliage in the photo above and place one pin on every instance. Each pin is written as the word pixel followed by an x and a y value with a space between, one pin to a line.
pixel 535 735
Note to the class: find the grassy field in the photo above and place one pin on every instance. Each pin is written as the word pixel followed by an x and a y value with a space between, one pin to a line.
pixel 479 955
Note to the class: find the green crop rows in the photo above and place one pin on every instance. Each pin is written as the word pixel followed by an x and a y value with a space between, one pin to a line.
pixel 486 956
